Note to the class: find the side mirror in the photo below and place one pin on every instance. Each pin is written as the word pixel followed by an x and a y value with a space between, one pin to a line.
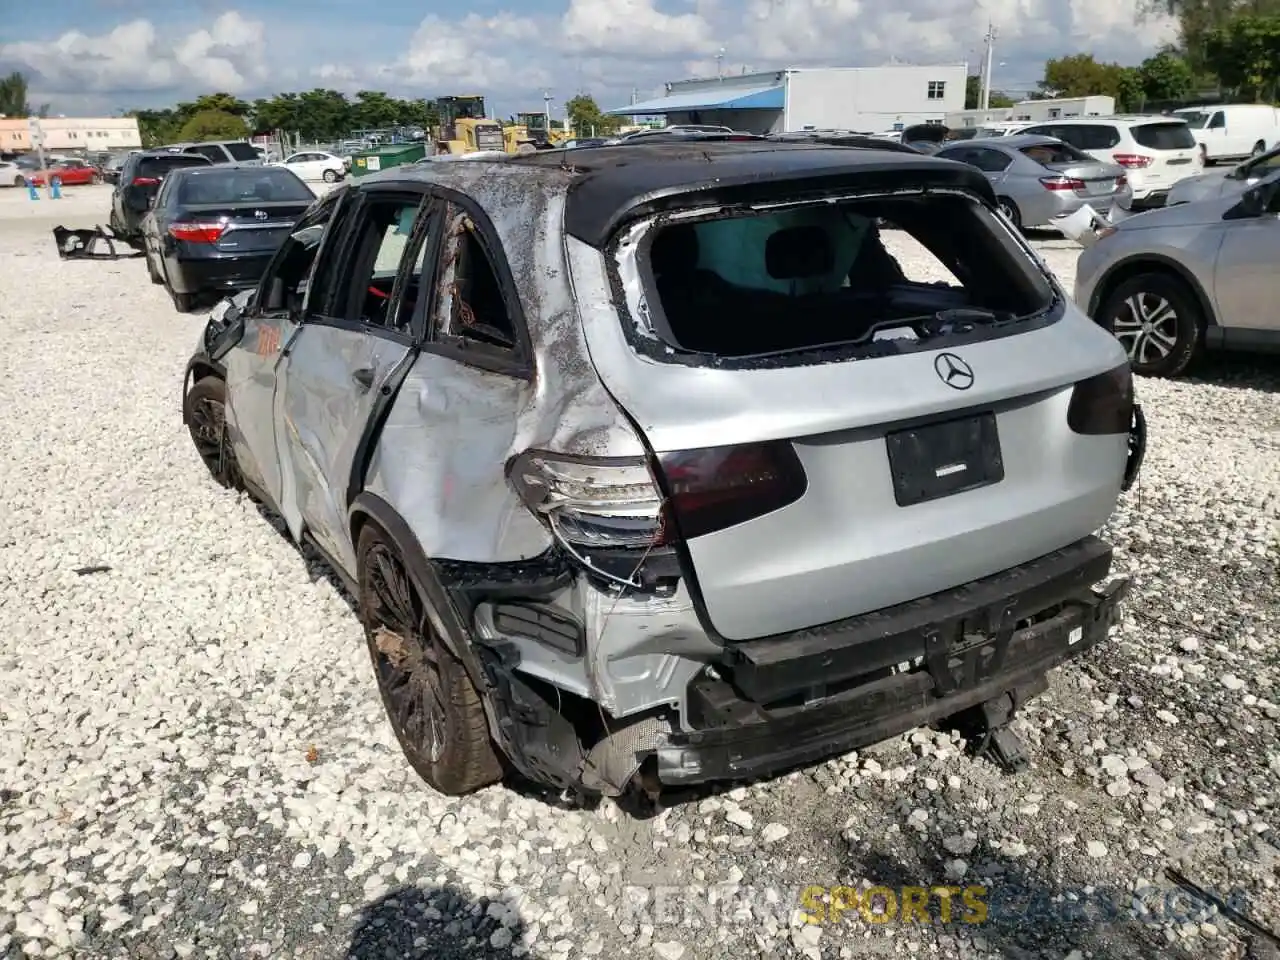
pixel 1253 203
pixel 275 299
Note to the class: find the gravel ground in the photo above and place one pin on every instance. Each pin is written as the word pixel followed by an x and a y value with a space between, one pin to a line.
pixel 194 762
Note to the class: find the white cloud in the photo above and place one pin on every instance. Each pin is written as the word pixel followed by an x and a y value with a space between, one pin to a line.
pixel 606 47
pixel 228 55
pixel 634 29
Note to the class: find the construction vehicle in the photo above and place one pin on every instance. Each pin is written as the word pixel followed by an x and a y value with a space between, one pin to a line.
pixel 466 128
pixel 537 131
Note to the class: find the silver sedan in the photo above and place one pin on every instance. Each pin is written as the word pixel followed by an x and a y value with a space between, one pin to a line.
pixel 1038 179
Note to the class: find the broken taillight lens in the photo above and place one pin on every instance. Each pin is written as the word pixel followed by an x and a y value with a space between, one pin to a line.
pixel 591 502
pixel 196 232
pixel 1103 404
pixel 616 502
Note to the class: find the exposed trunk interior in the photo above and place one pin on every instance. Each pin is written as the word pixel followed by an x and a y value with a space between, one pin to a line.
pixel 757 282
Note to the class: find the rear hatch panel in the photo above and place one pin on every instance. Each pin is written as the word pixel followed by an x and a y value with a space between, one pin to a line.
pixel 861 539
pixel 248 228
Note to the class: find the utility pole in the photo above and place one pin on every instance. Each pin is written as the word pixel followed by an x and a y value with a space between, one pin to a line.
pixel 720 64
pixel 546 109
pixel 985 102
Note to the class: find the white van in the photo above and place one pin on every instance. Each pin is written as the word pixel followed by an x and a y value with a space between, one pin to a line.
pixel 1233 131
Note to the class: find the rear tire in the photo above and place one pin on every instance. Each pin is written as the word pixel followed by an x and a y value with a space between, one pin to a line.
pixel 183 302
pixel 19 181
pixel 330 176
pixel 152 273
pixel 434 709
pixel 1010 210
pixel 1159 322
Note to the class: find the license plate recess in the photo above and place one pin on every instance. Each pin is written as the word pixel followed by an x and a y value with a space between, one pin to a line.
pixel 942 459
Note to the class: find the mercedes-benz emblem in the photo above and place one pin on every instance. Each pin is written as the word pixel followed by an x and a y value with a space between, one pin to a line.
pixel 953 371
pixel 260 214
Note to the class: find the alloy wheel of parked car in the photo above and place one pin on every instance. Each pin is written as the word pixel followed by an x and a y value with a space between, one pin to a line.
pixel 1157 321
pixel 207 423
pixel 431 703
pixel 1010 210
pixel 330 176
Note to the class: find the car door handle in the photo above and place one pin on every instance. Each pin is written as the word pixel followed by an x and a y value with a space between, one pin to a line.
pixel 363 377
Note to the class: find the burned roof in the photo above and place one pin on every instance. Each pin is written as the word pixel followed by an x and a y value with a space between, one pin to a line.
pixel 608 185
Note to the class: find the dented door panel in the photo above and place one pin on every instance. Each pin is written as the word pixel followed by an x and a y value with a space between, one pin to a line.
pixel 251 367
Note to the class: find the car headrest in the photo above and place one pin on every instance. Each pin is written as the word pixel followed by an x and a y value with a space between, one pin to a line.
pixel 798 253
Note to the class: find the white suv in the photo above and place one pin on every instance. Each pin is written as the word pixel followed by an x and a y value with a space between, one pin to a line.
pixel 1155 151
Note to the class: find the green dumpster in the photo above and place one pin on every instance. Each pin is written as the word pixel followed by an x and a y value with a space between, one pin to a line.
pixel 382 158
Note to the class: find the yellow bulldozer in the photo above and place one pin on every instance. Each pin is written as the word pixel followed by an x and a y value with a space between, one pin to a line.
pixel 465 127
pixel 531 131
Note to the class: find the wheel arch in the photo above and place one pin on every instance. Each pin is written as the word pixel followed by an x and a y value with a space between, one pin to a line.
pixel 369 508
pixel 199 367
pixel 1150 263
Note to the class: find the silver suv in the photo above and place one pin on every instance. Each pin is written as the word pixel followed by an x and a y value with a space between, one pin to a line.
pixel 673 464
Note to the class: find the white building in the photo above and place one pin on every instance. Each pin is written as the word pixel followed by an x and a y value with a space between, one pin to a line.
pixel 90 134
pixel 1034 111
pixel 863 99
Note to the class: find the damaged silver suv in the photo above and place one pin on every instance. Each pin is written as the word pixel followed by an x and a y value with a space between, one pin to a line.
pixel 652 465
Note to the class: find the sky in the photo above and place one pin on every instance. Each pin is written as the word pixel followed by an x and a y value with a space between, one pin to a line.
pixel 105 56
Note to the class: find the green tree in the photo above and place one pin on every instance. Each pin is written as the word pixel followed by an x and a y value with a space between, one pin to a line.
pixel 13 96
pixel 212 125
pixel 1245 56
pixel 223 102
pixel 1166 76
pixel 586 117
pixel 1198 19
pixel 157 127
pixel 1080 75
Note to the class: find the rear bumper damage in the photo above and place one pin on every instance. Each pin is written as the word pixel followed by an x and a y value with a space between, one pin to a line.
pixel 760 707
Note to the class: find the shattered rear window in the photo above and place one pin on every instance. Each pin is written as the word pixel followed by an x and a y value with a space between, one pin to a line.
pixel 835 274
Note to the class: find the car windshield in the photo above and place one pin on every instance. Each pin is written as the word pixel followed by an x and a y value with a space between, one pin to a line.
pixel 242 151
pixel 254 185
pixel 842 272
pixel 1174 135
pixel 1196 119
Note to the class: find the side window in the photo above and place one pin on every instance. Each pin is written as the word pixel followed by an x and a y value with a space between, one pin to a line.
pixel 213 152
pixel 1094 137
pixel 382 237
pixel 1217 121
pixel 990 161
pixel 471 306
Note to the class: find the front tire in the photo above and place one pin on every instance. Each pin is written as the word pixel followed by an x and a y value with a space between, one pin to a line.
pixel 434 709
pixel 1010 210
pixel 205 408
pixel 1158 321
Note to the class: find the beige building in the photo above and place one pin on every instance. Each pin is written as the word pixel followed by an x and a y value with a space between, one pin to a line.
pixel 72 133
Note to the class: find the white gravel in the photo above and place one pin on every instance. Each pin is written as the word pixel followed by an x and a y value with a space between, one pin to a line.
pixel 194 762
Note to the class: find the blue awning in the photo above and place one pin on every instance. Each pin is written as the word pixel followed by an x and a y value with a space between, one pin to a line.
pixel 709 98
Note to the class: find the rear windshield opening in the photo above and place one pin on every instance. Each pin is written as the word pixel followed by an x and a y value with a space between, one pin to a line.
pixel 252 185
pixel 1164 136
pixel 837 274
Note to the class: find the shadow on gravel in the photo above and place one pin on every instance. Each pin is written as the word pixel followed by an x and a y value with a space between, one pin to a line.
pixel 1241 371
pixel 1023 908
pixel 434 923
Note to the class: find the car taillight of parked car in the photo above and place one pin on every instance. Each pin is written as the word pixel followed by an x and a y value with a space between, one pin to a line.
pixel 1103 404
pixel 196 232
pixel 628 502
pixel 1062 183
pixel 146 181
pixel 1134 161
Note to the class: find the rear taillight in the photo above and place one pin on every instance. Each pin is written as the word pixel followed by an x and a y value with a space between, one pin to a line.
pixel 718 487
pixel 196 232
pixel 1062 183
pixel 602 503
pixel 591 502
pixel 145 182
pixel 1103 404
pixel 1134 161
